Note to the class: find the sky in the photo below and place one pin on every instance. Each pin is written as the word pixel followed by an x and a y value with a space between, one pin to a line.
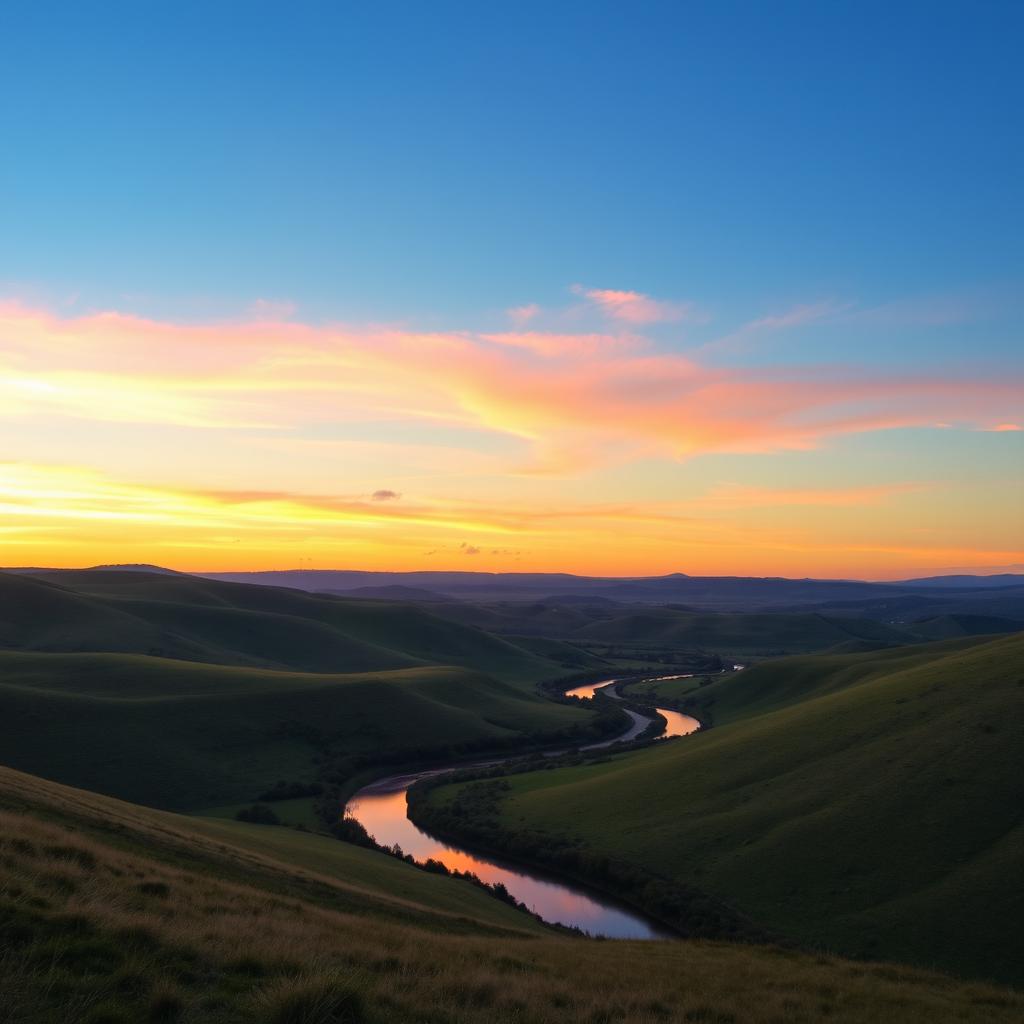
pixel 716 288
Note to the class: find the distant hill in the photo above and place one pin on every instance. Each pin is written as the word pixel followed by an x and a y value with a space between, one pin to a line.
pixel 184 692
pixel 197 619
pixel 711 593
pixel 188 735
pixel 394 592
pixel 1005 579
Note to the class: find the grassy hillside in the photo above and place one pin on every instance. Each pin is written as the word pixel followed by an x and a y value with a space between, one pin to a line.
pixel 740 634
pixel 671 628
pixel 234 624
pixel 113 914
pixel 186 735
pixel 868 803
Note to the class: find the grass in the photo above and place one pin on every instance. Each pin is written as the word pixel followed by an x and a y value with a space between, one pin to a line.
pixel 114 914
pixel 192 619
pixel 296 811
pixel 866 803
pixel 736 633
pixel 667 689
pixel 184 735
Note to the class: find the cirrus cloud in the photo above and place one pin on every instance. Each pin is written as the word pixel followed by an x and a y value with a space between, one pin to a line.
pixel 635 307
pixel 569 400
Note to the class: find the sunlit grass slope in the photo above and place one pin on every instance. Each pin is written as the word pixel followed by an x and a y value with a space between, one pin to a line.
pixel 867 803
pixel 114 914
pixel 187 735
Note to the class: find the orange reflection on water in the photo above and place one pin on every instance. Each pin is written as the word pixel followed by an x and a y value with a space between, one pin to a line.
pixel 587 691
pixel 384 816
pixel 678 724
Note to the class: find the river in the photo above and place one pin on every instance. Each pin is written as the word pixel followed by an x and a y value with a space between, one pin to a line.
pixel 381 808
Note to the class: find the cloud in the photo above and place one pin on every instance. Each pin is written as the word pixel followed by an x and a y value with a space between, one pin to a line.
pixel 796 316
pixel 272 310
pixel 739 495
pixel 562 403
pixel 519 315
pixel 1004 428
pixel 469 549
pixel 555 346
pixel 385 495
pixel 635 307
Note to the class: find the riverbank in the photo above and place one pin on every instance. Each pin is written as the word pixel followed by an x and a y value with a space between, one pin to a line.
pixel 382 810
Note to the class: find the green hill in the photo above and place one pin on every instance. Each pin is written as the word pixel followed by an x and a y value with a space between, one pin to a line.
pixel 236 624
pixel 739 634
pixel 189 735
pixel 115 914
pixel 867 803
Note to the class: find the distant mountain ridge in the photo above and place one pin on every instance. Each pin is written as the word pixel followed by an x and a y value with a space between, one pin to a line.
pixel 725 593
pixel 709 593
pixel 1003 579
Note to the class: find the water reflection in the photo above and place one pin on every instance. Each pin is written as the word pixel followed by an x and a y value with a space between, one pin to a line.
pixel 382 812
pixel 678 724
pixel 588 690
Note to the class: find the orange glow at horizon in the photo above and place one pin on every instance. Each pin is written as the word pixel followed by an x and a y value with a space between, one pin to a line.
pixel 267 444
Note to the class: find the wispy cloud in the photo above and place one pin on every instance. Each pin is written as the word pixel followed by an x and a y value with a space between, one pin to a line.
pixel 520 315
pixel 740 495
pixel 796 316
pixel 636 308
pixel 589 397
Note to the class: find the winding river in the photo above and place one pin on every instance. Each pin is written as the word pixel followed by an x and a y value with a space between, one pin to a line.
pixel 381 808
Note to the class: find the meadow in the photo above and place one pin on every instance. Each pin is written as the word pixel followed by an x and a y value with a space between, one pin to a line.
pixel 116 914
pixel 865 803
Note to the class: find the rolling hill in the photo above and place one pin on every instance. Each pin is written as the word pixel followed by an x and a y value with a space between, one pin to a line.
pixel 189 735
pixel 195 619
pixel 866 803
pixel 115 914
pixel 186 693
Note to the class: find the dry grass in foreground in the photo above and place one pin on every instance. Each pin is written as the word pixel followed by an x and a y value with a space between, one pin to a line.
pixel 118 928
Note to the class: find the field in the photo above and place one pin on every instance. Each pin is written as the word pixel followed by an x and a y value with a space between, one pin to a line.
pixel 864 803
pixel 115 914
pixel 187 694
pixel 193 619
pixel 184 735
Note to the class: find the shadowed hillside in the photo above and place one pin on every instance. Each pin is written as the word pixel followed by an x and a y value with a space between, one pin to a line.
pixel 189 735
pixel 195 619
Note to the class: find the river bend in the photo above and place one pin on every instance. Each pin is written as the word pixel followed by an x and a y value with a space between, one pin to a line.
pixel 382 809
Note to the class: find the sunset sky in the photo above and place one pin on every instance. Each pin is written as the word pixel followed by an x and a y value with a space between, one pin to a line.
pixel 610 289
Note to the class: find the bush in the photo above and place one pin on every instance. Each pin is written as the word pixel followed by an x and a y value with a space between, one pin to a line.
pixel 258 814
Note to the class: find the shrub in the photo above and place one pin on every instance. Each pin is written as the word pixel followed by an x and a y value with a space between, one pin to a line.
pixel 258 814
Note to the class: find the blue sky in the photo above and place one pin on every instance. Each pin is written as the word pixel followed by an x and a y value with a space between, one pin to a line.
pixel 755 266
pixel 447 160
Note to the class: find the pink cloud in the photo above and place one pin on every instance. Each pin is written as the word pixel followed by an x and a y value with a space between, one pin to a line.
pixel 555 346
pixel 1005 428
pixel 573 400
pixel 635 307
pixel 520 315
pixel 726 495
